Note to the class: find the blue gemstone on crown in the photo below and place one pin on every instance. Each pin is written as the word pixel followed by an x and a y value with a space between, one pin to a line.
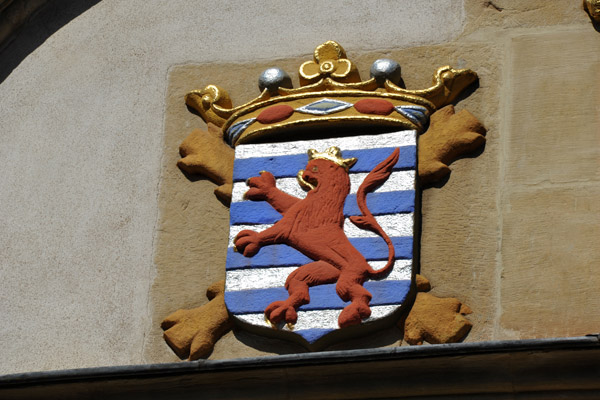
pixel 324 107
pixel 236 129
pixel 417 114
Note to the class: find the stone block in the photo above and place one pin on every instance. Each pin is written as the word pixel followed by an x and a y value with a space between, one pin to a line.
pixel 550 258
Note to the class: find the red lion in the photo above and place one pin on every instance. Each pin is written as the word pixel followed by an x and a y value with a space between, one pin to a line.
pixel 314 226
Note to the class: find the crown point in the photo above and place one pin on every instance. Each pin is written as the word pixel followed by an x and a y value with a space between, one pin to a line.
pixel 349 162
pixel 274 78
pixel 333 154
pixel 330 50
pixel 334 151
pixel 385 69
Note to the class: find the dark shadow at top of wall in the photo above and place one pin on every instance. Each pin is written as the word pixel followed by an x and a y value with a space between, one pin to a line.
pixel 38 27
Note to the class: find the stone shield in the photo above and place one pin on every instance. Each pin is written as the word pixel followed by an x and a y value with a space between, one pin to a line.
pixel 253 283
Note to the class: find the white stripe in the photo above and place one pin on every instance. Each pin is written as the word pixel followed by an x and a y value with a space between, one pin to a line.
pixel 393 224
pixel 398 180
pixel 265 278
pixel 318 319
pixel 288 185
pixel 402 270
pixel 394 139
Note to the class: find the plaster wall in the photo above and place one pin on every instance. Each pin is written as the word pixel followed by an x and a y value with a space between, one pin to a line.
pixel 103 236
pixel 82 118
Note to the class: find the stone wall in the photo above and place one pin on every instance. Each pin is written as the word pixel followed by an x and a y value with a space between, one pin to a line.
pixel 103 236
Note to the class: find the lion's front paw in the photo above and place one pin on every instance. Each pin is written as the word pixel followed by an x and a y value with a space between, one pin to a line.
pixel 247 242
pixel 281 311
pixel 260 186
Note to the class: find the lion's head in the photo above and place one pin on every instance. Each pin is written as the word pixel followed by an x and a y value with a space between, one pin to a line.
pixel 328 166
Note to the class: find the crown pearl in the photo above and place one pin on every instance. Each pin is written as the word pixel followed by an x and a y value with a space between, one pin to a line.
pixel 274 78
pixel 384 68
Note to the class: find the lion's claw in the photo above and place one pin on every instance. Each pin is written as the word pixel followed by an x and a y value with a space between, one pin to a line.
pixel 281 311
pixel 247 242
pixel 260 186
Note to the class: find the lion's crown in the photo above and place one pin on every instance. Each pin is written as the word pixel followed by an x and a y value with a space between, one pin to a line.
pixel 333 154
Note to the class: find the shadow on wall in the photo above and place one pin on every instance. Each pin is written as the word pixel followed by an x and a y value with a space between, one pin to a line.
pixel 42 23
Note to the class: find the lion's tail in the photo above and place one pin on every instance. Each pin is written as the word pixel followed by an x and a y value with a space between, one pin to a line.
pixel 377 177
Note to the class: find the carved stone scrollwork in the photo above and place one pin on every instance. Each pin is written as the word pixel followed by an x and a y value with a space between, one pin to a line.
pixel 593 9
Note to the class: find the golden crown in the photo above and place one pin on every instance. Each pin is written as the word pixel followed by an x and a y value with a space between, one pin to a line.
pixel 331 93
pixel 333 154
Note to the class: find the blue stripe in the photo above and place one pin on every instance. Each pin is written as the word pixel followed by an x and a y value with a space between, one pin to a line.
pixel 260 212
pixel 279 255
pixel 312 335
pixel 288 166
pixel 322 297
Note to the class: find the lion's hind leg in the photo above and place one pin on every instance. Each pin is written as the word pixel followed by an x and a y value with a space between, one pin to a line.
pixel 297 284
pixel 350 288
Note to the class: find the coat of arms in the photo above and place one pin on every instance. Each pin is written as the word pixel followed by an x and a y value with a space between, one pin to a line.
pixel 323 193
pixel 340 253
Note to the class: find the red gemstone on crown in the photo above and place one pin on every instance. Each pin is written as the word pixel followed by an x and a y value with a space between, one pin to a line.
pixel 275 114
pixel 374 106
